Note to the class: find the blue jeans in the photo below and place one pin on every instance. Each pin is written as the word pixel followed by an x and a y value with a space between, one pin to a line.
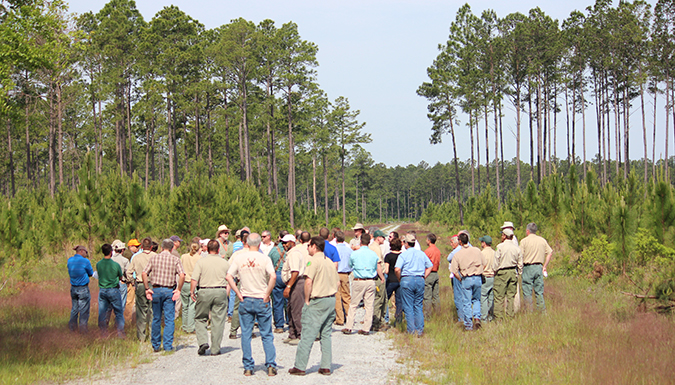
pixel 395 288
pixel 458 296
pixel 123 294
pixel 250 310
pixel 230 303
pixel 110 299
pixel 162 304
pixel 471 299
pixel 279 303
pixel 412 294
pixel 81 298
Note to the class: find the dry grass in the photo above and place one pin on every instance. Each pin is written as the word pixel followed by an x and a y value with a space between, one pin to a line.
pixel 589 335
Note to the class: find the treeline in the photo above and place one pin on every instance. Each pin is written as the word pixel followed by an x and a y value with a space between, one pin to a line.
pixel 161 96
pixel 605 64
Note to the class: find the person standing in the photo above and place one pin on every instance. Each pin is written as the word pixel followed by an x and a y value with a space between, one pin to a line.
pixel 456 292
pixel 432 297
pixel 365 267
pixel 118 256
pixel 329 251
pixel 143 305
pixel 507 265
pixel 536 256
pixel 188 261
pixel 380 304
pixel 393 284
pixel 516 299
pixel 412 268
pixel 109 276
pixel 222 236
pixel 163 269
pixel 358 231
pixel 293 274
pixel 278 255
pixel 318 314
pixel 209 274
pixel 467 267
pixel 257 279
pixel 486 292
pixel 267 244
pixel 342 297
pixel 79 270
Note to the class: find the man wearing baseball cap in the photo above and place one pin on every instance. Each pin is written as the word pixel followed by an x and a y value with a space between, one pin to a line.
pixel 412 268
pixel 507 265
pixel 118 250
pixel 79 270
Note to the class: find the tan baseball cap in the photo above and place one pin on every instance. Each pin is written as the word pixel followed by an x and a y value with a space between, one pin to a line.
pixel 409 238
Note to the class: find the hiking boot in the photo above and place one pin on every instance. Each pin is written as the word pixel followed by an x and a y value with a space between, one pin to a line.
pixel 279 330
pixel 295 371
pixel 248 372
pixel 271 371
pixel 202 349
pixel 477 324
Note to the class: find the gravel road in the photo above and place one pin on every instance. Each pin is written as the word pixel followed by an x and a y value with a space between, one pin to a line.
pixel 357 359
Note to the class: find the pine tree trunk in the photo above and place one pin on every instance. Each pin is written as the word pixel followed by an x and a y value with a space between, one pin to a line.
pixel 656 93
pixel 28 170
pixel 458 189
pixel 247 146
pixel 59 122
pixel 518 178
pixel 325 187
pixel 130 170
pixel 583 127
pixel 314 180
pixel 667 125
pixel 291 162
pixel 473 182
pixel 52 139
pixel 242 154
pixel 11 157
pixel 172 180
pixel 487 146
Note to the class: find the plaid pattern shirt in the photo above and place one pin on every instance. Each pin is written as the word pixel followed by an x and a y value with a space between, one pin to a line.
pixel 164 268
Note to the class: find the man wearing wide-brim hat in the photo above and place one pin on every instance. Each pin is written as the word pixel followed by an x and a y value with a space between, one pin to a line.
pixel 516 300
pixel 358 230
pixel 222 236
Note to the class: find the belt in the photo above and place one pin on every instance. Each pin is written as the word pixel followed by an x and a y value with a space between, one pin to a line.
pixel 475 275
pixel 213 287
pixel 328 296
pixel 505 268
pixel 344 273
pixel 79 285
pixel 530 264
pixel 363 279
pixel 403 276
pixel 163 287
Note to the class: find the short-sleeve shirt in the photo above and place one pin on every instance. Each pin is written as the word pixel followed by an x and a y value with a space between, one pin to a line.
pixel 109 274
pixel 376 248
pixel 265 249
pixel 345 252
pixel 321 270
pixel 331 252
pixel 468 261
pixel 296 259
pixel 210 271
pixel 254 269
pixel 275 254
pixel 508 255
pixel 413 262
pixel 489 254
pixel 188 261
pixel 123 262
pixel 137 264
pixel 364 263
pixel 434 256
pixel 535 249
pixel 391 258
pixel 163 268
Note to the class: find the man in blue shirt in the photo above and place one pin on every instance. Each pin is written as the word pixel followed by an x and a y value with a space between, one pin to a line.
pixel 456 284
pixel 342 297
pixel 412 267
pixel 329 251
pixel 79 270
pixel 364 263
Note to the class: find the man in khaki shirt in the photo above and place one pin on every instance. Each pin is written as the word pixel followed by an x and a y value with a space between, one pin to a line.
pixel 209 275
pixel 507 265
pixel 188 260
pixel 293 274
pixel 143 305
pixel 486 292
pixel 321 282
pixel 380 304
pixel 536 256
pixel 467 266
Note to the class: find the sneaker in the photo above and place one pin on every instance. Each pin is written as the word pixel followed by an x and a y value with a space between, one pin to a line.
pixel 296 372
pixel 287 340
pixel 294 341
pixel 271 371
pixel 248 372
pixel 202 349
pixel 364 333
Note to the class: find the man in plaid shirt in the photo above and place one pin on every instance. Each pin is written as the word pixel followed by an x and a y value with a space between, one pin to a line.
pixel 163 269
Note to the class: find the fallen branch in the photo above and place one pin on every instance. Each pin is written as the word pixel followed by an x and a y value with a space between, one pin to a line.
pixel 643 296
pixel 3 285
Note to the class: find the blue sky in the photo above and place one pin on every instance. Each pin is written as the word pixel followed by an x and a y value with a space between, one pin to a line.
pixel 376 52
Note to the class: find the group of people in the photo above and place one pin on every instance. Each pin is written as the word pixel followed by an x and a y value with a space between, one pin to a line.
pixel 300 284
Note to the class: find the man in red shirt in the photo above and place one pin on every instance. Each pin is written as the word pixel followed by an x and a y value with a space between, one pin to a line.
pixel 432 300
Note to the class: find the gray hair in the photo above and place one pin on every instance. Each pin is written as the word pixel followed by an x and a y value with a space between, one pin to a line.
pixel 465 232
pixel 372 229
pixel 532 227
pixel 253 240
pixel 167 244
pixel 266 232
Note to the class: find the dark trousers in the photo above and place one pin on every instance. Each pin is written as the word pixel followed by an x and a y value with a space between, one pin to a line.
pixel 296 301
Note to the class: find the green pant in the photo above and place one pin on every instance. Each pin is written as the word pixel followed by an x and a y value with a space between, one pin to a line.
pixel 214 302
pixel 143 313
pixel 533 278
pixel 234 325
pixel 317 320
pixel 380 304
pixel 188 308
pixel 505 284
pixel 487 299
pixel 432 298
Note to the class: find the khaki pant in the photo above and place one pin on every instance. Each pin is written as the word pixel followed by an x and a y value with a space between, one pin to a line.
pixel 432 298
pixel 380 304
pixel 342 299
pixel 143 313
pixel 361 290
pixel 505 284
pixel 213 302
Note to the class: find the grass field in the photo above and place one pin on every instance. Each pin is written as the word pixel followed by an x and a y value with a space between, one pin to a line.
pixel 589 335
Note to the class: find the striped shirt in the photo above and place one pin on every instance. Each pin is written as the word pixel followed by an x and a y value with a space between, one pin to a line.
pixel 164 267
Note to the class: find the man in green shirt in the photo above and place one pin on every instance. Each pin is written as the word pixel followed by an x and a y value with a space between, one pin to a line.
pixel 109 276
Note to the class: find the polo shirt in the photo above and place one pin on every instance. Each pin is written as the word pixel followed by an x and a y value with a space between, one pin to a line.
pixel 454 251
pixel 364 263
pixel 467 262
pixel 321 270
pixel 137 264
pixel 331 252
pixel 275 255
pixel 210 271
pixel 413 262
pixel 109 274
pixel 507 256
pixel 434 256
pixel 489 255
pixel 535 249
pixel 79 270
pixel 345 252
pixel 296 259
pixel 254 269
pixel 188 261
